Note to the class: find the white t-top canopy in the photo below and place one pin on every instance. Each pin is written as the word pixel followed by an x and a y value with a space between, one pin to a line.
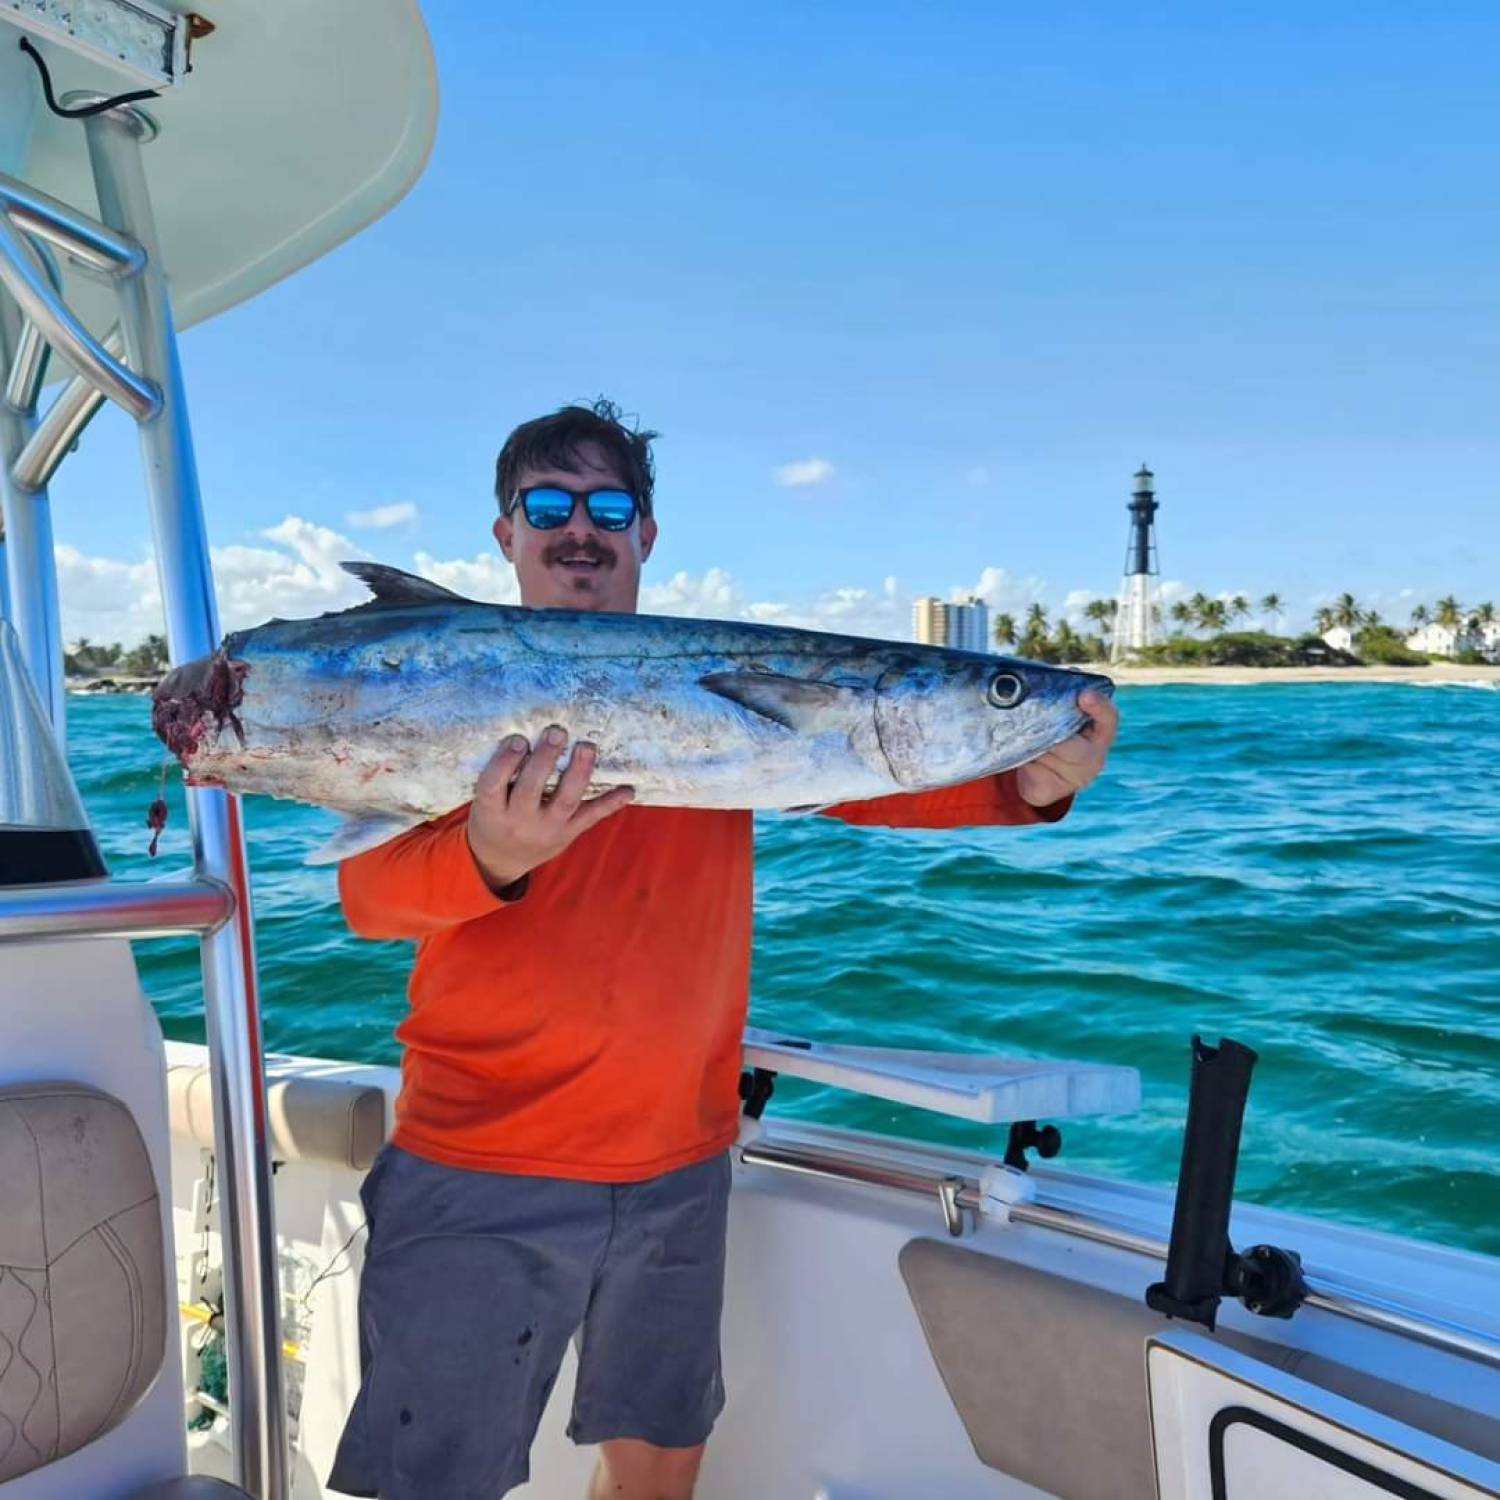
pixel 298 125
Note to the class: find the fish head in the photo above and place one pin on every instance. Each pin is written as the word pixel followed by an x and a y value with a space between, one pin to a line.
pixel 194 703
pixel 946 717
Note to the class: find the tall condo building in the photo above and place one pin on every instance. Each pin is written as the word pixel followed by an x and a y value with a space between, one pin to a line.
pixel 963 624
pixel 1138 615
pixel 929 622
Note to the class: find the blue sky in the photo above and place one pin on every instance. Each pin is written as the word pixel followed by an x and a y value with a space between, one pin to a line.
pixel 981 260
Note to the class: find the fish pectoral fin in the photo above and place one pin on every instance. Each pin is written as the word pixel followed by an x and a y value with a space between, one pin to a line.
pixel 358 832
pixel 792 702
pixel 392 586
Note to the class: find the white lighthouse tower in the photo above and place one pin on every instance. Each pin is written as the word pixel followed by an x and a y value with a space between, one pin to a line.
pixel 1137 618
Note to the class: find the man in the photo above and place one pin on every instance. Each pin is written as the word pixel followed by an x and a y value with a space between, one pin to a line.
pixel 572 1054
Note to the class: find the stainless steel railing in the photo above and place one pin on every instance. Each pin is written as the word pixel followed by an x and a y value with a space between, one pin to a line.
pixel 214 903
pixel 955 1194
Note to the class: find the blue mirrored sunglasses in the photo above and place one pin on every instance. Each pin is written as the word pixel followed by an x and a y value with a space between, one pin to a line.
pixel 547 507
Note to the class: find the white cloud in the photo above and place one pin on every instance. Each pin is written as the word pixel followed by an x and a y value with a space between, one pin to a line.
pixel 1005 594
pixel 110 600
pixel 106 600
pixel 804 471
pixel 293 571
pixel 1076 602
pixel 712 595
pixel 485 576
pixel 402 513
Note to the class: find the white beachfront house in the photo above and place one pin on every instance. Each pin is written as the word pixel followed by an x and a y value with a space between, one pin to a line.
pixel 1448 640
pixel 1340 637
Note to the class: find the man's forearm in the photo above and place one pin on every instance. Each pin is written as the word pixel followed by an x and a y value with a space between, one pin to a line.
pixel 992 801
pixel 420 883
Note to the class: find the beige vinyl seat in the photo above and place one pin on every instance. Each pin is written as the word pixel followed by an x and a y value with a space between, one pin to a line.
pixel 91 1397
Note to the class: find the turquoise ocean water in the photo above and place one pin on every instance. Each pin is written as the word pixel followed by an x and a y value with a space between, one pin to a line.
pixel 1312 870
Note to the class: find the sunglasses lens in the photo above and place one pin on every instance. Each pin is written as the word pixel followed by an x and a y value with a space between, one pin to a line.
pixel 611 510
pixel 547 509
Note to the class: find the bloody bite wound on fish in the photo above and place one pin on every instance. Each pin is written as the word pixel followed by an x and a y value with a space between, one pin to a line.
pixel 388 711
pixel 188 696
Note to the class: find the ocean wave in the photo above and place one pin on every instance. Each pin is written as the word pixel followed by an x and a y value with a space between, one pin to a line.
pixel 1306 868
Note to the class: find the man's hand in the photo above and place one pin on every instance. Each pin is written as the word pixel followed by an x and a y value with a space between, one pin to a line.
pixel 514 826
pixel 1072 765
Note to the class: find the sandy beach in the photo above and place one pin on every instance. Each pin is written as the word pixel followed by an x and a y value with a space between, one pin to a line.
pixel 1239 676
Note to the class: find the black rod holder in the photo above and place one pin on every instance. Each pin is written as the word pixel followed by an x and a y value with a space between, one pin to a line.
pixel 1199 1254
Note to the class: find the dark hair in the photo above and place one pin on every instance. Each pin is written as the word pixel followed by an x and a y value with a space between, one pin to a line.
pixel 552 442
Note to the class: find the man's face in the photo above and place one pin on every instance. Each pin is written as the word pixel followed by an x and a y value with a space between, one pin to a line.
pixel 577 566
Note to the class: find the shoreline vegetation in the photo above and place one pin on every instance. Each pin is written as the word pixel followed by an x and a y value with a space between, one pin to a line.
pixel 1350 644
pixel 1127 674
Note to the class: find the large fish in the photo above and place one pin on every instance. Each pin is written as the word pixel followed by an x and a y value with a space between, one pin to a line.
pixel 387 711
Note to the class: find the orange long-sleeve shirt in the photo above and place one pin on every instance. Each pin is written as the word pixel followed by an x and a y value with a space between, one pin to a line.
pixel 591 1029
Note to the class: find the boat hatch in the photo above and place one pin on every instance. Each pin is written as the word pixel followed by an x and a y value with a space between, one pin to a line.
pixel 1232 1428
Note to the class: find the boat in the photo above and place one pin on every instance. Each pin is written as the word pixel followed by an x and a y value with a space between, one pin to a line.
pixel 180 1228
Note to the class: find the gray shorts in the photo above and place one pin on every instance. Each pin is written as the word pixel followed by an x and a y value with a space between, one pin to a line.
pixel 473 1284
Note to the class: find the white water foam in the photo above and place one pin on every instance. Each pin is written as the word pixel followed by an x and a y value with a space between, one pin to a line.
pixel 1484 684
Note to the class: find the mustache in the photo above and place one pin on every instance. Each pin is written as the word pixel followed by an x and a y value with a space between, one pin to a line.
pixel 589 549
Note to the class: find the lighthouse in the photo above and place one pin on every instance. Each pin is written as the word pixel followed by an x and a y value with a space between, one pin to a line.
pixel 1137 617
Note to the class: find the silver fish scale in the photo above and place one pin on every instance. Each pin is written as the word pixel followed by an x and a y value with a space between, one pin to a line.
pixel 391 709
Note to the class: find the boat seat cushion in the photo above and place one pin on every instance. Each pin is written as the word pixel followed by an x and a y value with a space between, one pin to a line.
pixel 1049 1375
pixel 192 1487
pixel 332 1120
pixel 83 1324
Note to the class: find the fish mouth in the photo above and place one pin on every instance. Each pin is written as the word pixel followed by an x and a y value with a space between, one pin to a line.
pixel 195 698
pixel 1095 682
pixel 1090 682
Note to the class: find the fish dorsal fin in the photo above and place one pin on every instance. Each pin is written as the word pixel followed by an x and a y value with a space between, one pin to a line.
pixel 358 832
pixel 392 586
pixel 792 702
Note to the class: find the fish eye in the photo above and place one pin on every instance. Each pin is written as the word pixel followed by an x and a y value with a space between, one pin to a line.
pixel 1006 690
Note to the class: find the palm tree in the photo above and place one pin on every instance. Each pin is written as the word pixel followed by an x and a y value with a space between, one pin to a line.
pixel 1034 641
pixel 1101 612
pixel 1484 627
pixel 1182 613
pixel 1214 615
pixel 1239 607
pixel 1005 630
pixel 1449 613
pixel 1346 612
pixel 1325 618
pixel 1272 605
pixel 149 659
pixel 1419 616
pixel 1070 646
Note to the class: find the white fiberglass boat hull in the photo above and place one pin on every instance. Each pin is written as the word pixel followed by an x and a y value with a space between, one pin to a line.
pixel 835 1314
